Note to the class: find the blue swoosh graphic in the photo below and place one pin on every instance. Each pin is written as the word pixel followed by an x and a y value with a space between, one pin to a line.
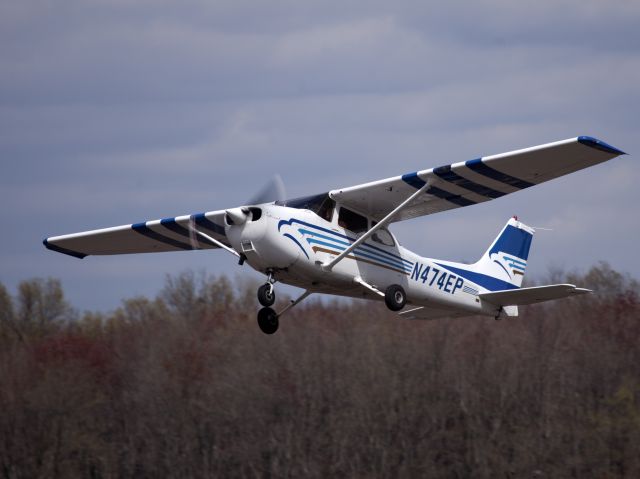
pixel 287 235
pixel 325 230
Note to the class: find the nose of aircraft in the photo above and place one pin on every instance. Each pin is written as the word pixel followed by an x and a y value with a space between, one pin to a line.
pixel 255 234
pixel 237 216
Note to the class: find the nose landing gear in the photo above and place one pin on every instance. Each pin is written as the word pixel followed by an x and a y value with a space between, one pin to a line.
pixel 267 317
pixel 266 292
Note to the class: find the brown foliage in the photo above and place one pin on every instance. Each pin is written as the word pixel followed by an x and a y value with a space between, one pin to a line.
pixel 185 385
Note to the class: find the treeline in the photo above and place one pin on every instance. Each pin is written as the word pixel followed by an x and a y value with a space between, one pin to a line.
pixel 185 385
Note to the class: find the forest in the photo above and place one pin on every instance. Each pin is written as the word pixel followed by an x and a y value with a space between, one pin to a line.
pixel 185 385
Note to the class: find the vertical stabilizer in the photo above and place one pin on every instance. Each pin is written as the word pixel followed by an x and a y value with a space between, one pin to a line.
pixel 506 258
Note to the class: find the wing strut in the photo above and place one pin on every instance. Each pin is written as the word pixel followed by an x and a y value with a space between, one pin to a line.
pixel 293 303
pixel 382 223
pixel 371 288
pixel 216 242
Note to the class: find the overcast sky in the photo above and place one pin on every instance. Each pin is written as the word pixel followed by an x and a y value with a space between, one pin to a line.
pixel 114 112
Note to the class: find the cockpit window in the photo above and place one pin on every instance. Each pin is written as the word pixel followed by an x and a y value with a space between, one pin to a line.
pixel 352 221
pixel 321 205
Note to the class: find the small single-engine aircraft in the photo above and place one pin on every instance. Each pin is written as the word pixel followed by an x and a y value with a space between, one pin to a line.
pixel 338 242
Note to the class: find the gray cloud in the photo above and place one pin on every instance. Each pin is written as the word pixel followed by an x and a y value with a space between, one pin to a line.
pixel 112 112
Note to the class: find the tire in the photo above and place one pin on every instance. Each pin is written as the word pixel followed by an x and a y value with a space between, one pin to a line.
pixel 266 295
pixel 395 297
pixel 268 320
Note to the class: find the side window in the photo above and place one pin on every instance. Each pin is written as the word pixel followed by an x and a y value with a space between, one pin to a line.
pixel 352 221
pixel 383 236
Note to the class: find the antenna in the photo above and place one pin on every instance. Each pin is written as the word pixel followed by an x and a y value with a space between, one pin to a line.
pixel 541 228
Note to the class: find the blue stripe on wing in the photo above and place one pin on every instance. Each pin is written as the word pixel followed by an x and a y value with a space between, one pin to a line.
pixel 144 230
pixel 481 168
pixel 414 180
pixel 447 174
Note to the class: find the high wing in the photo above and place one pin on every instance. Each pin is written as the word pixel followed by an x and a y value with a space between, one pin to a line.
pixel 181 233
pixel 474 181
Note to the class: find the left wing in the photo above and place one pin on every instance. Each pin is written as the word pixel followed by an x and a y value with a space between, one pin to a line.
pixel 474 181
pixel 168 234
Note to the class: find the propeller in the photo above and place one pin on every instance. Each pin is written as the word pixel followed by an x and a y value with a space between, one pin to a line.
pixel 271 192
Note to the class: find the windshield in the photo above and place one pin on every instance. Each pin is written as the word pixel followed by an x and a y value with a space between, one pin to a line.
pixel 320 204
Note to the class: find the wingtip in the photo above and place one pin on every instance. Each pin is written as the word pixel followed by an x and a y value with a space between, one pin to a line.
pixel 599 145
pixel 59 249
pixel 582 291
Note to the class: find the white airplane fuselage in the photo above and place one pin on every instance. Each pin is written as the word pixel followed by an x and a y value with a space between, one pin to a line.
pixel 295 243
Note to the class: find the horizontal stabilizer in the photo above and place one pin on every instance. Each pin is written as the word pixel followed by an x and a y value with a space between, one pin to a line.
pixel 422 312
pixel 535 294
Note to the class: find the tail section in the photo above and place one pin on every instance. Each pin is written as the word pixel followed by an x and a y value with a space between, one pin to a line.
pixel 498 274
pixel 506 258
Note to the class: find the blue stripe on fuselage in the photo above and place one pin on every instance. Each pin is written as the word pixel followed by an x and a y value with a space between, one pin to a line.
pixel 339 235
pixel 358 252
pixel 389 257
pixel 487 282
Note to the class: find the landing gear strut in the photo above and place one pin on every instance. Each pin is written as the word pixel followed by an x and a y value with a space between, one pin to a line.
pixel 266 292
pixel 268 318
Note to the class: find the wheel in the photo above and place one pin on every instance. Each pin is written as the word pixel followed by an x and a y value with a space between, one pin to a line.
pixel 266 295
pixel 267 320
pixel 395 298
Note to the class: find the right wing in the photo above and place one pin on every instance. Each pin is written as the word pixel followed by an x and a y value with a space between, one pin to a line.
pixel 469 182
pixel 168 234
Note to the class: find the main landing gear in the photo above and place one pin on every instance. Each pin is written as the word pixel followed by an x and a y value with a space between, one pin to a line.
pixel 395 297
pixel 267 317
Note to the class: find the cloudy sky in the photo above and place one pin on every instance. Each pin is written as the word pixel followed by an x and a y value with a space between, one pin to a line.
pixel 114 112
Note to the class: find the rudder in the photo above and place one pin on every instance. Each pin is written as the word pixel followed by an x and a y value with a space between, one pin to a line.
pixel 506 258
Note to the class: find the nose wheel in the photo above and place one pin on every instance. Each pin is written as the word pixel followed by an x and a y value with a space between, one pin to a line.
pixel 266 294
pixel 268 318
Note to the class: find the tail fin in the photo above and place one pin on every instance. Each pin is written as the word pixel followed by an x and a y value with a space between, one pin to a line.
pixel 506 258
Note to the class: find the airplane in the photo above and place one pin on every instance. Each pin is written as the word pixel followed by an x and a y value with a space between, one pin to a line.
pixel 338 242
